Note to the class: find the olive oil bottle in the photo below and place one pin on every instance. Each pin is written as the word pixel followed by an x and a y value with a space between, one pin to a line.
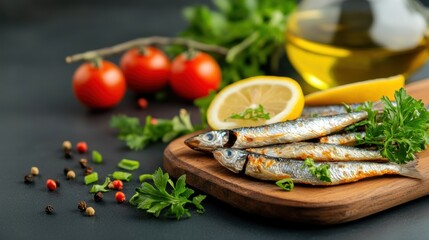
pixel 355 40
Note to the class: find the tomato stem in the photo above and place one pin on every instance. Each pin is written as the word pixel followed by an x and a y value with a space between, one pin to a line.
pixel 96 62
pixel 139 42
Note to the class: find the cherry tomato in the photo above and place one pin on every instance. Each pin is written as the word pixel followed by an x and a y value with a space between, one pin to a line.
pixel 193 77
pixel 147 71
pixel 99 87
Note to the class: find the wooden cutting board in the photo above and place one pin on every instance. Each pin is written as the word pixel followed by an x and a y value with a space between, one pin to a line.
pixel 308 204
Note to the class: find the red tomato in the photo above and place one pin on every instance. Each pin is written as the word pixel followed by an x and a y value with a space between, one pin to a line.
pixel 148 72
pixel 102 87
pixel 194 77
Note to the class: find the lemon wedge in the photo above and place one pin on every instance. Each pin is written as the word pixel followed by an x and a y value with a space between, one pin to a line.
pixel 369 90
pixel 279 98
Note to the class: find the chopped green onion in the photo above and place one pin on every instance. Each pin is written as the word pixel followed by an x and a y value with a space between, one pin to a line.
pixel 91 178
pixel 129 164
pixel 122 176
pixel 100 188
pixel 144 177
pixel 285 184
pixel 97 157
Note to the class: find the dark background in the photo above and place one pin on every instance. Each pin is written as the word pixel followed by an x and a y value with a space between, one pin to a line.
pixel 38 112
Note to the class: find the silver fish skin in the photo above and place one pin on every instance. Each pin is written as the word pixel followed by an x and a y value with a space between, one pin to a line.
pixel 319 152
pixel 329 110
pixel 347 139
pixel 271 168
pixel 283 132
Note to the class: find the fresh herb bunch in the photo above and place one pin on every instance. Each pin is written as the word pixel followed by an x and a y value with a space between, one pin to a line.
pixel 252 30
pixel 156 200
pixel 321 171
pixel 138 137
pixel 401 130
pixel 252 114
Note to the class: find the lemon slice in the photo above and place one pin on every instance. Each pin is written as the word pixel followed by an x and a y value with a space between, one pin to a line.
pixel 280 97
pixel 369 90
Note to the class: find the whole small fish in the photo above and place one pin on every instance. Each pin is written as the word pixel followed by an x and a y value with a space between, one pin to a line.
pixel 283 132
pixel 319 152
pixel 271 168
pixel 347 139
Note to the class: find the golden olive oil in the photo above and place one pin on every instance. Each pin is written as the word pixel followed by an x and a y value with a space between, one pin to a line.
pixel 329 48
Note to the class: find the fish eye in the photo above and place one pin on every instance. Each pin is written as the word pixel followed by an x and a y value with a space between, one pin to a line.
pixel 209 136
pixel 228 153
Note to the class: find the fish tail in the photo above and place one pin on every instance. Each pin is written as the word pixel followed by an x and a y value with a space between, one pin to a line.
pixel 410 170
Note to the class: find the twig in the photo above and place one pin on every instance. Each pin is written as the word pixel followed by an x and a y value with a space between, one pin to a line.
pixel 155 40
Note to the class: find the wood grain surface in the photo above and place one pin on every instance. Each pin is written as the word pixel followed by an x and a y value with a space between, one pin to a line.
pixel 307 204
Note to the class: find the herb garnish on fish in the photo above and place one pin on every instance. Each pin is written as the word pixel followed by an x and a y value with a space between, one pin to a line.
pixel 400 131
pixel 321 171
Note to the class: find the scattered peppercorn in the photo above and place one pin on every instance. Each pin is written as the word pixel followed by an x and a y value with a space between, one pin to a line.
pixel 98 196
pixel 49 209
pixel 67 146
pixel 120 197
pixel 34 171
pixel 29 178
pixel 71 175
pixel 68 154
pixel 57 182
pixel 88 170
pixel 82 206
pixel 117 184
pixel 83 163
pixel 66 170
pixel 82 147
pixel 90 211
pixel 143 103
pixel 51 185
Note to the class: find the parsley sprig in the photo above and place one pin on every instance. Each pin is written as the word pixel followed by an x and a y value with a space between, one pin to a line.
pixel 321 171
pixel 155 199
pixel 285 184
pixel 138 137
pixel 401 130
pixel 250 113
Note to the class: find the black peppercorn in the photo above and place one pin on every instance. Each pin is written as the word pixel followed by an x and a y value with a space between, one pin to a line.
pixel 66 170
pixel 58 183
pixel 88 170
pixel 68 154
pixel 28 178
pixel 82 206
pixel 98 197
pixel 49 209
pixel 83 163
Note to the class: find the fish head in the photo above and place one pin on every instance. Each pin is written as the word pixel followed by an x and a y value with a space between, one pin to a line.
pixel 233 159
pixel 208 141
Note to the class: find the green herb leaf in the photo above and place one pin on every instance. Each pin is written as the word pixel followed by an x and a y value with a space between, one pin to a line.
pixel 321 171
pixel 253 114
pixel 128 164
pixel 285 184
pixel 100 188
pixel 122 176
pixel 138 137
pixel 91 178
pixel 97 157
pixel 155 199
pixel 400 131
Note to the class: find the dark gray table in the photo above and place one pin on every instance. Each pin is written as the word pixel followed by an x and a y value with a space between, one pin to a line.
pixel 38 112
